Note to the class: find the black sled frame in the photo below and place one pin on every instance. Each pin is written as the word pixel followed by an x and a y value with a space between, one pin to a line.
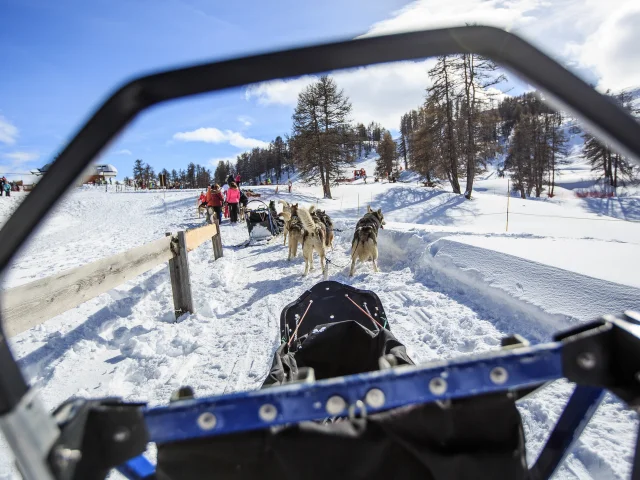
pixel 262 216
pixel 85 438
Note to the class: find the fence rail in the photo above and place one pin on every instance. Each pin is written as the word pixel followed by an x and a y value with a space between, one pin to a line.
pixel 34 303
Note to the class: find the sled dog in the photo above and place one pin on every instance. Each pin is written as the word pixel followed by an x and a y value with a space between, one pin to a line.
pixel 294 227
pixel 313 239
pixel 321 216
pixel 364 245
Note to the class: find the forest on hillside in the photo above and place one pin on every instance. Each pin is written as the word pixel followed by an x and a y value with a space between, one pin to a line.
pixel 463 124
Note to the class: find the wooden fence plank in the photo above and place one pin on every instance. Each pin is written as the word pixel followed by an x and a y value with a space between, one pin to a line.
pixel 197 236
pixel 180 281
pixel 29 305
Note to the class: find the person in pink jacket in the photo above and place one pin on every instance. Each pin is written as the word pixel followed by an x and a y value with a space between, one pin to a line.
pixel 233 198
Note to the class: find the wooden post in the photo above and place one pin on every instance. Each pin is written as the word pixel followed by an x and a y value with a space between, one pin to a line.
pixel 217 241
pixel 179 272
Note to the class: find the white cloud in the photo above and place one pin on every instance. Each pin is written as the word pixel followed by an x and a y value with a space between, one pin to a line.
pixel 380 93
pixel 612 50
pixel 246 121
pixel 213 135
pixel 123 152
pixel 278 92
pixel 594 38
pixel 21 157
pixel 594 34
pixel 8 132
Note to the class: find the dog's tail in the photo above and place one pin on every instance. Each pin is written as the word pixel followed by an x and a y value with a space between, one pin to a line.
pixel 307 221
pixel 285 203
pixel 312 208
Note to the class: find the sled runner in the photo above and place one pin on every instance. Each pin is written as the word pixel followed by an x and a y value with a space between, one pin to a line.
pixel 342 397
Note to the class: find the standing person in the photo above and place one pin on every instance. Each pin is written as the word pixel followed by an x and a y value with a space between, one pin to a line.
pixel 233 198
pixel 225 189
pixel 7 189
pixel 290 185
pixel 238 180
pixel 215 200
pixel 230 179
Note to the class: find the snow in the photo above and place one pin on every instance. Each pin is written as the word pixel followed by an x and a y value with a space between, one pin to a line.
pixel 453 281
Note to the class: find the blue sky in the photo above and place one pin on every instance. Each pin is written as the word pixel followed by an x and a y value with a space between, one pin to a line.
pixel 61 58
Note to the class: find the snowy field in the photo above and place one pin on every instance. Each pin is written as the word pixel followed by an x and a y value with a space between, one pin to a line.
pixel 453 281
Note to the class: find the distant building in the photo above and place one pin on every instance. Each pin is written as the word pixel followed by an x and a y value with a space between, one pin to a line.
pixel 93 174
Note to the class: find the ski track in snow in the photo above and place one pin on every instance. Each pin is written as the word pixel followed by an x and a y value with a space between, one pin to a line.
pixel 126 342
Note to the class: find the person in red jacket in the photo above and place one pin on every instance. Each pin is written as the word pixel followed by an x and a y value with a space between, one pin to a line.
pixel 233 198
pixel 238 180
pixel 215 201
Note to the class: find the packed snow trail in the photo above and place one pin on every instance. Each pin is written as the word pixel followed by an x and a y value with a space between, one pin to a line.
pixel 127 343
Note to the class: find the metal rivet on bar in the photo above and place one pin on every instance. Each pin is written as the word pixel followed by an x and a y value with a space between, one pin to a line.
pixel 438 386
pixel 499 375
pixel 122 434
pixel 336 405
pixel 375 398
pixel 267 412
pixel 586 360
pixel 207 421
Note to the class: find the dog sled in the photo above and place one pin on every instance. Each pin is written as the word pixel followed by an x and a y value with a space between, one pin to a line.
pixel 263 218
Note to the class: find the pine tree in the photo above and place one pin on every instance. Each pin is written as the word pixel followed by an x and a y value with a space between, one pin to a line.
pixel 279 153
pixel 148 174
pixel 478 74
pixel 444 93
pixel 518 160
pixel 322 139
pixel 388 154
pixel 138 171
pixel 221 173
pixel 557 148
pixel 405 129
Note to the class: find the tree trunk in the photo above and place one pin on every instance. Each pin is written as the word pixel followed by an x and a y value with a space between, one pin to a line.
pixel 471 157
pixel 615 175
pixel 327 192
pixel 404 152
pixel 453 164
pixel 322 180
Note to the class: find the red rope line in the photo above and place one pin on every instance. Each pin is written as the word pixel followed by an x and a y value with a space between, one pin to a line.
pixel 299 323
pixel 363 311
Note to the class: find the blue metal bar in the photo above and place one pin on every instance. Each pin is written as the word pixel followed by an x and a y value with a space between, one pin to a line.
pixel 138 468
pixel 578 412
pixel 400 386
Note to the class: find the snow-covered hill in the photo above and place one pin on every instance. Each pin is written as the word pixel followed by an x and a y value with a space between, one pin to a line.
pixel 453 280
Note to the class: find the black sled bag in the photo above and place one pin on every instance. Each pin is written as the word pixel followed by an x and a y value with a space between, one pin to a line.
pixel 467 439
